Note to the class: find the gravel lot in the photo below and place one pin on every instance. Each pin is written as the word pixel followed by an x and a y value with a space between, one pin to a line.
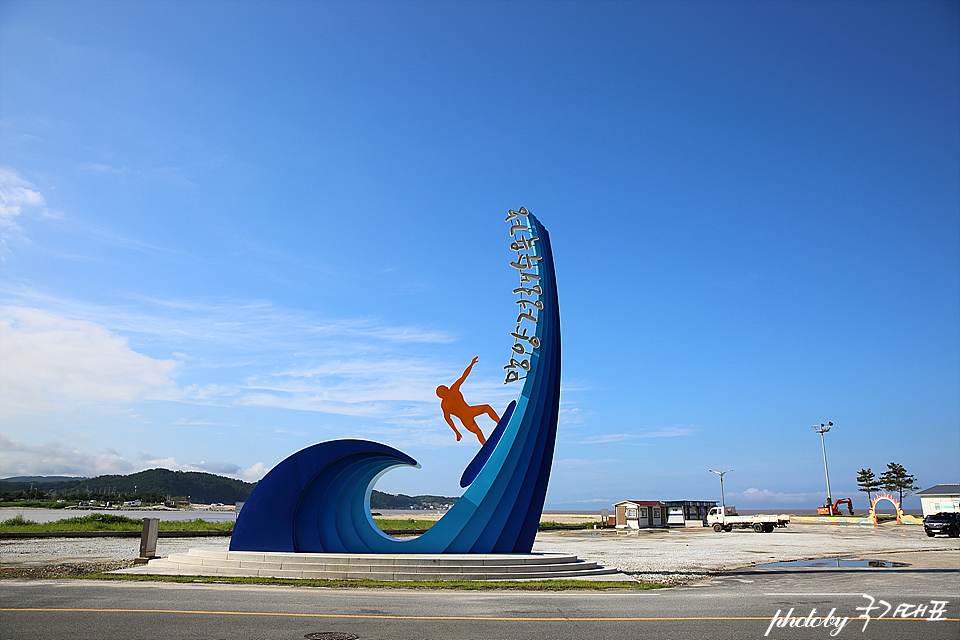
pixel 44 551
pixel 679 556
pixel 674 556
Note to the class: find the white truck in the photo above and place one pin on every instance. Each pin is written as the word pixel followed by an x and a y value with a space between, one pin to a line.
pixel 726 518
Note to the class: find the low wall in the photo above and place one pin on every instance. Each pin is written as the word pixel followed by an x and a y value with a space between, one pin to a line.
pixel 848 520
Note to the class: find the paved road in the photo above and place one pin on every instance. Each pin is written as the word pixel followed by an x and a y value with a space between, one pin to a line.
pixel 736 605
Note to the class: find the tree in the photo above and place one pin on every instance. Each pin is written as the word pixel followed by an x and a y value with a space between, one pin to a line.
pixel 896 478
pixel 868 482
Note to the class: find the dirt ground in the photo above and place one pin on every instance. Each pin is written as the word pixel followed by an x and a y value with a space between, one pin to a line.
pixel 682 555
pixel 674 556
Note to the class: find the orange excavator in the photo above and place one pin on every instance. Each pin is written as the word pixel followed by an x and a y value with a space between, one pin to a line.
pixel 828 510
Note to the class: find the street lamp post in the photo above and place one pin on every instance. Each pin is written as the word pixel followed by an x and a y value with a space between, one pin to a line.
pixel 822 429
pixel 723 502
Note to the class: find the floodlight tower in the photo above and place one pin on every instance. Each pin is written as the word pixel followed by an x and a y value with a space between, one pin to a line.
pixel 723 502
pixel 822 429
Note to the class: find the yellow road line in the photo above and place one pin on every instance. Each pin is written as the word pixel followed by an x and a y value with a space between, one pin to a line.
pixel 387 617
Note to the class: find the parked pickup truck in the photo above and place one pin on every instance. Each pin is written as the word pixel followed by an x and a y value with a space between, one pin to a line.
pixel 726 519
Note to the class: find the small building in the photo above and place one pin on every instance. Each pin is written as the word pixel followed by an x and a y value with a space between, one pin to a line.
pixel 941 497
pixel 688 512
pixel 643 514
pixel 639 514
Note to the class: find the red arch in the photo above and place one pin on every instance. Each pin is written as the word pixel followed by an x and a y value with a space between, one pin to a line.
pixel 884 496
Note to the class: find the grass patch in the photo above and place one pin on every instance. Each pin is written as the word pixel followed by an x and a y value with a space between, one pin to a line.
pixel 409 523
pixel 462 585
pixel 195 525
pixel 106 522
pixel 17 521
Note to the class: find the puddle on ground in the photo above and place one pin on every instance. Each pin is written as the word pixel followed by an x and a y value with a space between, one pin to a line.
pixel 832 562
pixel 589 535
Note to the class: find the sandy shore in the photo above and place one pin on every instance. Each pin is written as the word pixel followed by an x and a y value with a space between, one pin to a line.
pixel 558 517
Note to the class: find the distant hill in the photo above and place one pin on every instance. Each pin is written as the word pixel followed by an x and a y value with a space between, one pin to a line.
pixel 43 478
pixel 153 484
pixel 198 486
pixel 380 500
pixel 162 484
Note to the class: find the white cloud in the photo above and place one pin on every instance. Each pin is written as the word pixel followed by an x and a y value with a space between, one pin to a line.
pixel 360 387
pixel 242 325
pixel 254 473
pixel 103 168
pixel 111 237
pixel 74 358
pixel 306 403
pixel 332 379
pixel 49 360
pixel 56 458
pixel 219 468
pixel 16 194
pixel 582 463
pixel 198 420
pixel 630 438
pixel 569 416
pixel 398 392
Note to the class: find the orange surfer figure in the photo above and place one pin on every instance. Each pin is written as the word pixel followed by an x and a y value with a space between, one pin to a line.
pixel 453 404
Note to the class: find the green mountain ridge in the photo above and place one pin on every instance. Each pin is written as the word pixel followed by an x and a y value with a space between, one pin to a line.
pixel 157 485
pixel 43 478
pixel 154 485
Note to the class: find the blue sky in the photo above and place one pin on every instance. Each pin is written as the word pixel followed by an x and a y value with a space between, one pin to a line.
pixel 233 229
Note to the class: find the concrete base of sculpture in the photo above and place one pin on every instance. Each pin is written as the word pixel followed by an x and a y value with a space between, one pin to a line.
pixel 378 566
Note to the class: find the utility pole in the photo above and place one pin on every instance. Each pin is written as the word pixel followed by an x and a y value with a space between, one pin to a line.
pixel 822 429
pixel 723 502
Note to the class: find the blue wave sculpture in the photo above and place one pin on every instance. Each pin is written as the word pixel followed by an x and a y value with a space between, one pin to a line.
pixel 318 499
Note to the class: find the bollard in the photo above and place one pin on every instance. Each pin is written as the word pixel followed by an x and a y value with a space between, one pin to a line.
pixel 148 540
